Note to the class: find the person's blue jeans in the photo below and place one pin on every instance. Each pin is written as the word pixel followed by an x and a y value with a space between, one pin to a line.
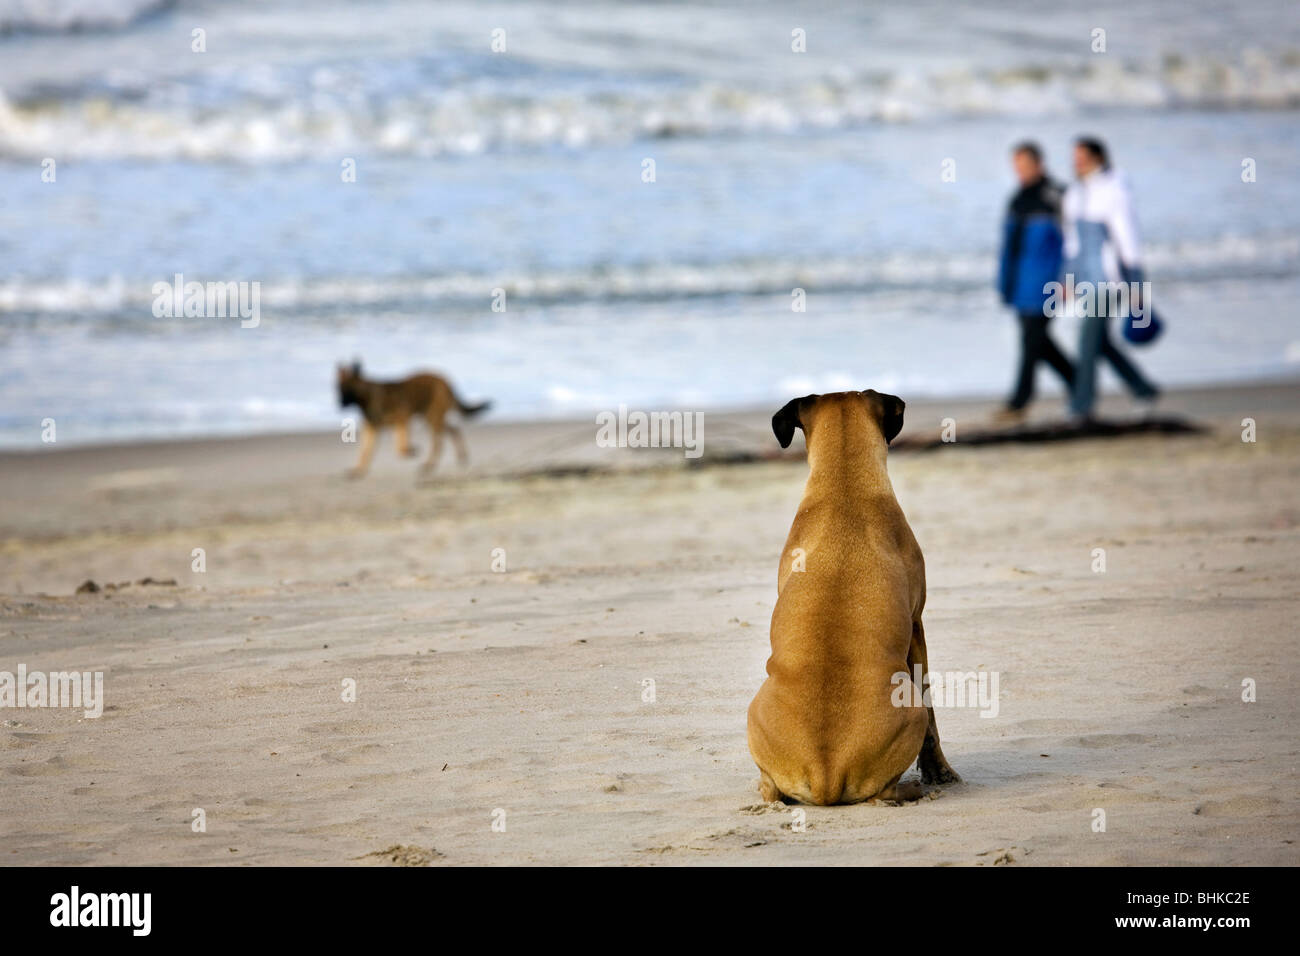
pixel 1095 343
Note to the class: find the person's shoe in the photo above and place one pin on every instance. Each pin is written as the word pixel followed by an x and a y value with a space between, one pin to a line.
pixel 1008 417
pixel 1145 406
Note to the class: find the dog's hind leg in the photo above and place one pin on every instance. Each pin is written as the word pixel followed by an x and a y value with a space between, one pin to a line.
pixel 457 439
pixel 767 788
pixel 367 451
pixel 931 762
pixel 435 447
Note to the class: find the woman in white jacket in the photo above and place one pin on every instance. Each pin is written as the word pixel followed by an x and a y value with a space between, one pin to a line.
pixel 1101 247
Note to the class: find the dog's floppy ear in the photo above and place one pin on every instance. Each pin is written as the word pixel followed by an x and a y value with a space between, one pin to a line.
pixel 891 415
pixel 356 367
pixel 787 419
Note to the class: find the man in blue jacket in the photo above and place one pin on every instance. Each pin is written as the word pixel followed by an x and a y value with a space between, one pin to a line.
pixel 1031 259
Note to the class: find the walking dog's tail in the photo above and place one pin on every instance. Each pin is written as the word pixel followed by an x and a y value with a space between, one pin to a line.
pixel 469 411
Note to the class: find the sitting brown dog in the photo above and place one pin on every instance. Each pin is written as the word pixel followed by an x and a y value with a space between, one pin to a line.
pixel 394 403
pixel 823 728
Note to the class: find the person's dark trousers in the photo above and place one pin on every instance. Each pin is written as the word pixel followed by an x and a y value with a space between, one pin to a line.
pixel 1037 346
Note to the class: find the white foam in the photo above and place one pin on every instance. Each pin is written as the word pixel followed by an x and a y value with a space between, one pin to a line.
pixel 65 15
pixel 1225 257
pixel 276 119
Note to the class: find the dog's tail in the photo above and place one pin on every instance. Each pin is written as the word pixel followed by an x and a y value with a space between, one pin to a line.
pixel 469 411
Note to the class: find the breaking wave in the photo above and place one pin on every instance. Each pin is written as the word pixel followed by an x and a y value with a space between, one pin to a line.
pixel 415 109
pixel 73 16
pixel 1230 257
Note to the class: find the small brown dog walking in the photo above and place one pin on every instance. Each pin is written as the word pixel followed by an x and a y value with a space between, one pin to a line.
pixel 394 403
pixel 823 728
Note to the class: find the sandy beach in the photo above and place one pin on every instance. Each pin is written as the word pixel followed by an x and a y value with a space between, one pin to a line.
pixel 520 696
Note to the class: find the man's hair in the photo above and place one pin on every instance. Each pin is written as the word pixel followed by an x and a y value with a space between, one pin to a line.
pixel 1030 149
pixel 1095 147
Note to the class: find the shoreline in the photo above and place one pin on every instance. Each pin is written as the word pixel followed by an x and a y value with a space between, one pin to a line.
pixel 1197 399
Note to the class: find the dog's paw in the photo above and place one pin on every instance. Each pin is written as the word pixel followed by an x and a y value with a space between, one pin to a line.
pixel 939 773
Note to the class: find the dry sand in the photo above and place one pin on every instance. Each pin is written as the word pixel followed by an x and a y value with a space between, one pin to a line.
pixel 523 691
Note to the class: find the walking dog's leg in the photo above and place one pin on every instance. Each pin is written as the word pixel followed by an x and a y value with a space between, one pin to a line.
pixel 404 439
pixel 934 768
pixel 367 450
pixel 435 446
pixel 457 439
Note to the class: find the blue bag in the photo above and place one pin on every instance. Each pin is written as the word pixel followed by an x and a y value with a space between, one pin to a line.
pixel 1133 333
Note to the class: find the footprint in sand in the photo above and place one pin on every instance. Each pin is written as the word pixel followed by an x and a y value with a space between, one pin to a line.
pixel 352 755
pixel 1238 807
pixel 1001 856
pixel 1044 725
pixel 1096 741
pixel 342 728
pixel 398 855
pixel 44 768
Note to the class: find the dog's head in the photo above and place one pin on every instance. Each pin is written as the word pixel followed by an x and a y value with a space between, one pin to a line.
pixel 349 379
pixel 886 411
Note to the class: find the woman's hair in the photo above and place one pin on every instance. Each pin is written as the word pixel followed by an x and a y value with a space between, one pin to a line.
pixel 1096 147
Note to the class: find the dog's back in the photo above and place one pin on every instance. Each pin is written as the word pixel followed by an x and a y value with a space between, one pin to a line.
pixel 387 403
pixel 823 728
